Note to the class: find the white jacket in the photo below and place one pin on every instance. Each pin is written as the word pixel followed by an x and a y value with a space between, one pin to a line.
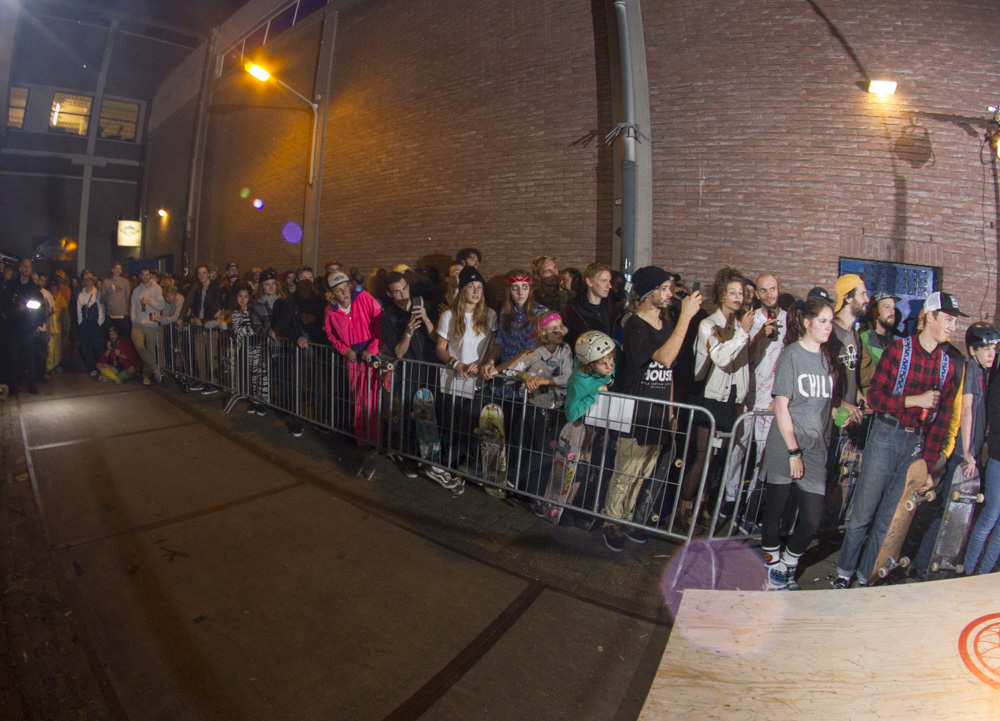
pixel 723 356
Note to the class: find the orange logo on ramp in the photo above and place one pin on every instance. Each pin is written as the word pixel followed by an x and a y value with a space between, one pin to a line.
pixel 979 647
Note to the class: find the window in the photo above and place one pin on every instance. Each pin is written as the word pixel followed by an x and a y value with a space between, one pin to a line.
pixel 118 120
pixel 70 114
pixel 15 110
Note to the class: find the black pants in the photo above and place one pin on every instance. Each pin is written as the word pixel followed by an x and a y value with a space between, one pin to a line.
pixel 810 510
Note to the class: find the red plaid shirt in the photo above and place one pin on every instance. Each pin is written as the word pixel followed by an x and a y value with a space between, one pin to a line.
pixel 924 375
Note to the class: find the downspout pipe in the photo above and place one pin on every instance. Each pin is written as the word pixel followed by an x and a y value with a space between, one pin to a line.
pixel 189 244
pixel 627 130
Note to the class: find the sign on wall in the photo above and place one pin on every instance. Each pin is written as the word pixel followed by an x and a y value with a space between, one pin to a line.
pixel 129 233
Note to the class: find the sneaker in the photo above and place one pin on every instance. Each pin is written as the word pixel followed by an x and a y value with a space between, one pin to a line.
pixel 251 409
pixel 195 387
pixel 209 391
pixel 841 582
pixel 93 374
pixel 791 584
pixel 146 381
pixel 103 378
pixel 439 475
pixel 612 539
pixel 634 535
pixel 410 469
pixel 777 578
pixel 296 430
pixel 260 410
pixel 727 509
pixel 158 376
pixel 539 509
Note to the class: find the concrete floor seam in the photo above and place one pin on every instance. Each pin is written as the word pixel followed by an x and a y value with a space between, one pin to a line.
pixel 77 441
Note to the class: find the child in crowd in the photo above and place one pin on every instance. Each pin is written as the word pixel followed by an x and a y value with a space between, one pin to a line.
pixel 981 408
pixel 545 371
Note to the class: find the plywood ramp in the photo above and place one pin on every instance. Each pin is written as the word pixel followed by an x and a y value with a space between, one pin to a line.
pixel 917 651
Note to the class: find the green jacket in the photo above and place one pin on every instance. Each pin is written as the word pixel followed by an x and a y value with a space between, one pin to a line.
pixel 581 391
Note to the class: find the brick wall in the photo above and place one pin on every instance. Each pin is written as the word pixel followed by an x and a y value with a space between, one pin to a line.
pixel 481 123
pixel 769 156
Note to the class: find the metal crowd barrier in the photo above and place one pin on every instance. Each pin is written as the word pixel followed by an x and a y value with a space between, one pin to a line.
pixel 633 456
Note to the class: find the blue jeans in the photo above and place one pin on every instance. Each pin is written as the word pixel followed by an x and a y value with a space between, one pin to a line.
pixel 887 458
pixel 986 526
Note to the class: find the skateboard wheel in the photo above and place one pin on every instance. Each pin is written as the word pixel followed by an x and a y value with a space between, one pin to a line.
pixel 909 505
pixel 883 572
pixel 930 496
pixel 904 562
pixel 955 495
pixel 935 567
pixel 980 498
pixel 960 568
pixel 655 518
pixel 678 463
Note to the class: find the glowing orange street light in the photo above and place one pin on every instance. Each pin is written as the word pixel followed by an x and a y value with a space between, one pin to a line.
pixel 261 74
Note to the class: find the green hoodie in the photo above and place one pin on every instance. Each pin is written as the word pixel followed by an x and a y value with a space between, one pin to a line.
pixel 582 390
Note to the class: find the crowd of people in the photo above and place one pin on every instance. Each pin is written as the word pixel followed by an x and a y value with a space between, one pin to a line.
pixel 829 367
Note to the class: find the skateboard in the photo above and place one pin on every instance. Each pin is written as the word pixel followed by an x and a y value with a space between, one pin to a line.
pixel 493 448
pixel 888 559
pixel 428 439
pixel 563 482
pixel 650 506
pixel 955 523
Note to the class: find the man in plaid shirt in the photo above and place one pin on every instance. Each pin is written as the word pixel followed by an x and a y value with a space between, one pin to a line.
pixel 899 434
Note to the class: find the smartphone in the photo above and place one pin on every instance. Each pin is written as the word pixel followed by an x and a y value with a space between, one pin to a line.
pixel 696 286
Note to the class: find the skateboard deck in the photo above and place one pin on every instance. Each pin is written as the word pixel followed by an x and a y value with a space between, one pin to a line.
pixel 955 523
pixel 649 505
pixel 563 482
pixel 888 559
pixel 493 448
pixel 425 418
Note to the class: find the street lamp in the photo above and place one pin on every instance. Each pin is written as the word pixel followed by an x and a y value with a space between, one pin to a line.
pixel 261 74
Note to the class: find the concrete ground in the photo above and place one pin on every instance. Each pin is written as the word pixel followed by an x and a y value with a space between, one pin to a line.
pixel 163 560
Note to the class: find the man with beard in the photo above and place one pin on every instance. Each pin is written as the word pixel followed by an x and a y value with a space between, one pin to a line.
pixel 301 323
pixel 877 336
pixel 548 292
pixel 850 304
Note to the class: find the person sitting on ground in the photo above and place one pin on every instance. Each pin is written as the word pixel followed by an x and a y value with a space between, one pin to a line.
pixel 119 361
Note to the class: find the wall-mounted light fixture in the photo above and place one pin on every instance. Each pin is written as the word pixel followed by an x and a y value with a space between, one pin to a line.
pixel 261 74
pixel 993 130
pixel 162 213
pixel 882 87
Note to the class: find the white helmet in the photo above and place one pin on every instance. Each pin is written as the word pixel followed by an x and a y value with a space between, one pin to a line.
pixel 593 345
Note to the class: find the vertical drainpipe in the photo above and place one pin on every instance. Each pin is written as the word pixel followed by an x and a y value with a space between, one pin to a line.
pixel 189 243
pixel 628 131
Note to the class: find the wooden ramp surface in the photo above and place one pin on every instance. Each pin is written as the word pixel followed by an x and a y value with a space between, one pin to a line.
pixel 916 651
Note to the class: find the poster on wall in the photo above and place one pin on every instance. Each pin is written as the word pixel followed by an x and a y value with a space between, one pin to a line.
pixel 910 283
pixel 129 233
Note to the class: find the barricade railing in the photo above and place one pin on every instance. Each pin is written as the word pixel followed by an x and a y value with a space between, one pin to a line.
pixel 201 355
pixel 625 463
pixel 738 508
pixel 629 461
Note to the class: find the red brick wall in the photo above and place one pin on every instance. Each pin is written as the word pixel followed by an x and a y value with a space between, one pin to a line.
pixel 481 123
pixel 768 156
